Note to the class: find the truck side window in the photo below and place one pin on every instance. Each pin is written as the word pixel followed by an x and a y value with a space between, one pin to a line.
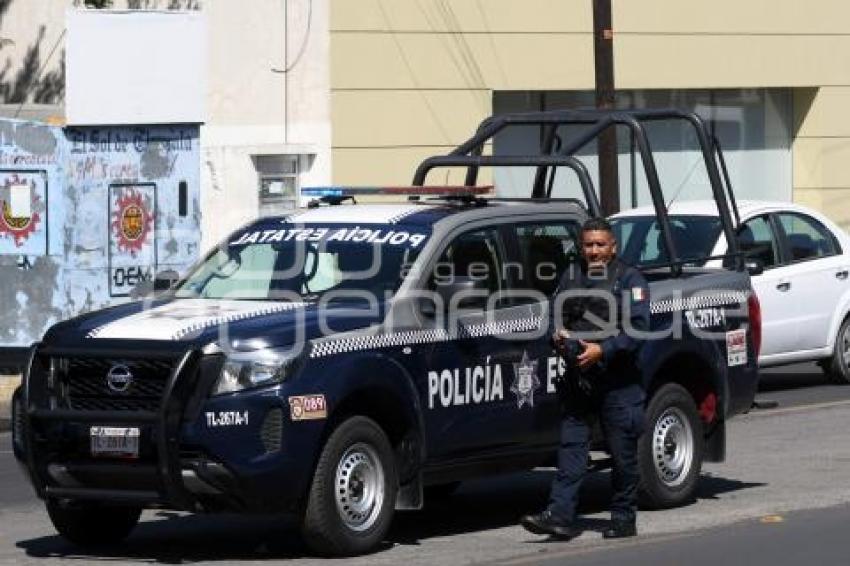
pixel 545 251
pixel 474 255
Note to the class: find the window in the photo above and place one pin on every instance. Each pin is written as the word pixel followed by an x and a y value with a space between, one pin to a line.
pixel 756 241
pixel 545 252
pixel 640 242
pixel 309 267
pixel 806 237
pixel 475 256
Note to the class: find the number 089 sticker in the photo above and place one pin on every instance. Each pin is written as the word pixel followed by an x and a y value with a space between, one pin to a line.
pixel 307 407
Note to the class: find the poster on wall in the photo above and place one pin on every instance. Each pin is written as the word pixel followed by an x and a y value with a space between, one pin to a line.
pixel 132 236
pixel 23 222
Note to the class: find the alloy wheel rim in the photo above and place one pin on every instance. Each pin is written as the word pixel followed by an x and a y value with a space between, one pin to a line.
pixel 359 487
pixel 672 447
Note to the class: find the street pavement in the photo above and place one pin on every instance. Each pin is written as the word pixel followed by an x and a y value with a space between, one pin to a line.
pixel 780 462
pixel 803 537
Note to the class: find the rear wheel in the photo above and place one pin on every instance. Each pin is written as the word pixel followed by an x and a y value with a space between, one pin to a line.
pixel 352 498
pixel 671 449
pixel 838 366
pixel 89 524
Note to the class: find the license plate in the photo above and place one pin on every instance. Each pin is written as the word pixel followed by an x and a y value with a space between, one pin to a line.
pixel 119 442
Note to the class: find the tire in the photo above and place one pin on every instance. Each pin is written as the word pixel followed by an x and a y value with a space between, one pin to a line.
pixel 670 451
pixel 89 524
pixel 838 366
pixel 352 498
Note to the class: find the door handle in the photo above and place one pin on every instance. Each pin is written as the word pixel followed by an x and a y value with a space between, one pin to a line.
pixel 841 274
pixel 784 286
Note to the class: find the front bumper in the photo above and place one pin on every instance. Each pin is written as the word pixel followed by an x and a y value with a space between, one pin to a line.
pixel 183 461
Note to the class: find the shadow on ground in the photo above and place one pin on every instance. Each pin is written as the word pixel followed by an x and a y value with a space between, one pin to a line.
pixel 173 538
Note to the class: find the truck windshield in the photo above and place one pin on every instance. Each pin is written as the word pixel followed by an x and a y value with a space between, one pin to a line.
pixel 270 262
pixel 641 245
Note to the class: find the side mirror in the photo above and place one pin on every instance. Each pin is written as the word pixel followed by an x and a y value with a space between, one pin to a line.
pixel 163 281
pixel 754 266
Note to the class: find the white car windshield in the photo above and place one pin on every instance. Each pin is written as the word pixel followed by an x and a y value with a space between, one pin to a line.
pixel 640 243
pixel 286 262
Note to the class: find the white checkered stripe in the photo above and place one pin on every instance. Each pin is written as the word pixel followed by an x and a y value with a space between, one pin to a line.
pixel 501 327
pixel 404 214
pixel 371 341
pixel 361 342
pixel 701 301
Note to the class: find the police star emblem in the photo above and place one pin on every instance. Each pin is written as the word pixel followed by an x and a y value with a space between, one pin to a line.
pixel 525 381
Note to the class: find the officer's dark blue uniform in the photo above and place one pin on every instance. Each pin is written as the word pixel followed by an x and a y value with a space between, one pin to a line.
pixel 611 390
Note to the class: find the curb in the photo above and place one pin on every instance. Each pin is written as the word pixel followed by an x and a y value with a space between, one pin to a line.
pixel 8 383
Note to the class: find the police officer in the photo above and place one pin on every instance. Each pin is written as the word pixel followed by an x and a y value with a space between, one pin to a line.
pixel 603 383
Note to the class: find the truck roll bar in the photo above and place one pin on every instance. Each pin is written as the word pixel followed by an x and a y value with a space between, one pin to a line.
pixel 469 155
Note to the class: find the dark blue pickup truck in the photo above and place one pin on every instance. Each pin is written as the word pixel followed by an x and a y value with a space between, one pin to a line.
pixel 337 362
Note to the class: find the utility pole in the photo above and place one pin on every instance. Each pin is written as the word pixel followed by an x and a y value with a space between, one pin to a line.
pixel 603 55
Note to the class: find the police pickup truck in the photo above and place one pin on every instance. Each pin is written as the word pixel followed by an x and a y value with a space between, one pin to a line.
pixel 336 362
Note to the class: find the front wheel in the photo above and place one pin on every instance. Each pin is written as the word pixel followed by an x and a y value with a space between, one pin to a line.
pixel 671 449
pixel 838 366
pixel 352 497
pixel 89 524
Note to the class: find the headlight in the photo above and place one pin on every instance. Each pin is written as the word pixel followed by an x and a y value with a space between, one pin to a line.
pixel 242 373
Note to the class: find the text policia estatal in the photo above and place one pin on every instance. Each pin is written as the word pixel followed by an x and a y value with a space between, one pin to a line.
pixel 479 384
pixel 356 234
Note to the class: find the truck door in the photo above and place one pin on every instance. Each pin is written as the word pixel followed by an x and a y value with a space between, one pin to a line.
pixel 132 236
pixel 467 390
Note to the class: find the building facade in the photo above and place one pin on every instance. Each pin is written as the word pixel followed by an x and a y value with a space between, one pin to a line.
pixel 317 92
pixel 412 78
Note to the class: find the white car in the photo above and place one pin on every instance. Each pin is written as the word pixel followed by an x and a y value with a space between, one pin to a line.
pixel 804 288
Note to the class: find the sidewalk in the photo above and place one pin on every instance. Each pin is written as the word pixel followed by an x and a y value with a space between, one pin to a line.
pixel 8 383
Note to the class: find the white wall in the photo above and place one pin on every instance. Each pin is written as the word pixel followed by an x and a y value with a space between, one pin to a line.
pixel 256 109
pixel 132 67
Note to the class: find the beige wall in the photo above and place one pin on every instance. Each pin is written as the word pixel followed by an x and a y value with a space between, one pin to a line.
pixel 410 78
pixel 413 78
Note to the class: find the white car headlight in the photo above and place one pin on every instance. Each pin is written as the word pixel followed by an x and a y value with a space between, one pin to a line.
pixel 238 374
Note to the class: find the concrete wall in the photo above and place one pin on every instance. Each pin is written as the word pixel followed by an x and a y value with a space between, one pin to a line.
pixel 268 94
pixel 73 253
pixel 253 107
pixel 412 78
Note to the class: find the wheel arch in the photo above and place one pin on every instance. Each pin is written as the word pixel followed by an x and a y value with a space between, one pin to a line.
pixel 839 316
pixel 380 388
pixel 692 370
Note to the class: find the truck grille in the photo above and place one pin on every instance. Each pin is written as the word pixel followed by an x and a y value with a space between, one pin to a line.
pixel 102 384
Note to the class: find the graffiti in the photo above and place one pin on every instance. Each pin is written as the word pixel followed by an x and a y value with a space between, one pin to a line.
pixel 138 140
pixel 12 159
pixel 93 168
pixel 132 222
pixel 132 245
pixel 125 278
pixel 20 227
pixel 24 263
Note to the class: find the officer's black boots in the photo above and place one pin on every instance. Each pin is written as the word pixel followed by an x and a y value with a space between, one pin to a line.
pixel 620 529
pixel 545 524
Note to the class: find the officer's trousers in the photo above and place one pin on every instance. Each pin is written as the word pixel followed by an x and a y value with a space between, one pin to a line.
pixel 621 415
